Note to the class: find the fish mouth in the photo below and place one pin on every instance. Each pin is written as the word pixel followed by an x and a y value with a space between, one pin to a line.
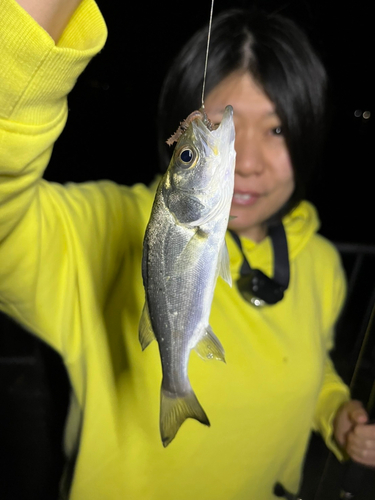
pixel 200 115
pixel 227 115
pixel 226 127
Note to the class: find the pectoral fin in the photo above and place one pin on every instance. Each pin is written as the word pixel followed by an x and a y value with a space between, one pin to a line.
pixel 209 347
pixel 146 333
pixel 189 255
pixel 223 263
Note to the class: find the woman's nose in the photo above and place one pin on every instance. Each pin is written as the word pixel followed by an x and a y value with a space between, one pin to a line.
pixel 248 158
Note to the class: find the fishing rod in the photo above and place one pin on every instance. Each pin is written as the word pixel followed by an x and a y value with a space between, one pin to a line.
pixel 362 388
pixel 356 473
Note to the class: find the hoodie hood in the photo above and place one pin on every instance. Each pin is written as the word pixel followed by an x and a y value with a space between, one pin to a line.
pixel 300 226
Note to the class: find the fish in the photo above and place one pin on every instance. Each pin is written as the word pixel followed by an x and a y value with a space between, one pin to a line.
pixel 184 251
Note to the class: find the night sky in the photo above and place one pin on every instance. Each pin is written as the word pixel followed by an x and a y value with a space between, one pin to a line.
pixel 111 131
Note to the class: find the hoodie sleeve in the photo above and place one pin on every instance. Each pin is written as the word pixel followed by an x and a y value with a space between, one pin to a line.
pixel 334 391
pixel 36 75
pixel 333 394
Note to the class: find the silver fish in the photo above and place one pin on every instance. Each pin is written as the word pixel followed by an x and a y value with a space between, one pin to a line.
pixel 183 252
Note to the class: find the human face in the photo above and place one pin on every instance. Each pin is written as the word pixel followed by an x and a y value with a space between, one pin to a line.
pixel 264 178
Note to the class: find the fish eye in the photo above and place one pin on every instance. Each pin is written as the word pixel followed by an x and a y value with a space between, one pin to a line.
pixel 187 156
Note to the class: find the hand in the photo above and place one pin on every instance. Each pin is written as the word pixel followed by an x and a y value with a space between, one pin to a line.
pixel 353 435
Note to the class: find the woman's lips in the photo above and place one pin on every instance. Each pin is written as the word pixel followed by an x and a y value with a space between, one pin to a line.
pixel 245 198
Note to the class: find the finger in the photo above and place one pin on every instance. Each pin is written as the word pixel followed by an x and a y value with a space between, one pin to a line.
pixel 361 450
pixel 361 431
pixel 357 414
pixel 360 442
pixel 364 457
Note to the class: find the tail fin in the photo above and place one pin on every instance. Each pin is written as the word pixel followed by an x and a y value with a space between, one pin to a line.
pixel 175 410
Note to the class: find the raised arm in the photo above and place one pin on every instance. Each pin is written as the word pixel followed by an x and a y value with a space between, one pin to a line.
pixel 52 15
pixel 37 254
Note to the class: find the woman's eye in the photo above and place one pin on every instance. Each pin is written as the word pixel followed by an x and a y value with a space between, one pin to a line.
pixel 277 131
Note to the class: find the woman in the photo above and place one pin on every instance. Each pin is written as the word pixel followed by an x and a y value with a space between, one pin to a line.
pixel 71 274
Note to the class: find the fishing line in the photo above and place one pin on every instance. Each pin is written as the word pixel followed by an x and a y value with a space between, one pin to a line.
pixel 207 50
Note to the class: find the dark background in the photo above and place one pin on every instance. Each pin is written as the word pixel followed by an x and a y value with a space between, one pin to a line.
pixel 111 133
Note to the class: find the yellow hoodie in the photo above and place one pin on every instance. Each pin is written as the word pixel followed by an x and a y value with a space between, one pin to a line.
pixel 71 273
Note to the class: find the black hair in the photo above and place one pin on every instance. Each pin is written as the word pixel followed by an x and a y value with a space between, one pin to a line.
pixel 281 60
